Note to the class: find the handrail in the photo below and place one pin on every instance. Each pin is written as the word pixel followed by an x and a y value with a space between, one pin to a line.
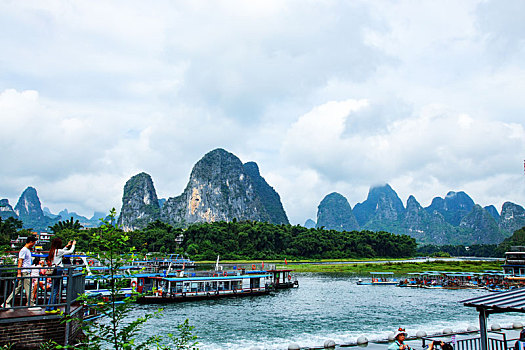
pixel 473 343
pixel 30 292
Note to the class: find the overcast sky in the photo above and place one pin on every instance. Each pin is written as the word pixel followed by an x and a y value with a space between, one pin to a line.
pixel 324 95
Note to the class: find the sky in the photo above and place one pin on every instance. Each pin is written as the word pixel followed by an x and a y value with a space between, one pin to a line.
pixel 427 96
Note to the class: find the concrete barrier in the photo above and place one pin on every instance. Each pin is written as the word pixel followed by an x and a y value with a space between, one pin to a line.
pixel 421 334
pixel 329 344
pixel 495 327
pixel 362 340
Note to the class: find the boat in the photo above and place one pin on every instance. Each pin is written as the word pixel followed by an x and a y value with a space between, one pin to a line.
pixel 380 279
pixel 173 261
pixel 97 285
pixel 196 286
pixel 282 278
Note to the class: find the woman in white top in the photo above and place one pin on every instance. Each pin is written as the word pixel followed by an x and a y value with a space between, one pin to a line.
pixel 54 259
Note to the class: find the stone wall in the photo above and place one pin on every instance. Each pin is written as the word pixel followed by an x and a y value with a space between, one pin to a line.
pixel 30 334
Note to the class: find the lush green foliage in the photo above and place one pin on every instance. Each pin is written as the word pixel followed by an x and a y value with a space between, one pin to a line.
pixel 84 238
pixel 66 224
pixel 399 268
pixel 118 331
pixel 517 239
pixel 258 240
pixel 478 250
pixel 156 237
pixel 8 230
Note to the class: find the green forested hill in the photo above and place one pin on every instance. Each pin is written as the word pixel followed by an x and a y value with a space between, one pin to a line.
pixel 257 240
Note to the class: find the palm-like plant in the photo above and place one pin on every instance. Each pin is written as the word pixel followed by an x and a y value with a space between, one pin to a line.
pixel 66 224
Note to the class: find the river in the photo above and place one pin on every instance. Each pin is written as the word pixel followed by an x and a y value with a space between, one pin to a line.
pixel 325 306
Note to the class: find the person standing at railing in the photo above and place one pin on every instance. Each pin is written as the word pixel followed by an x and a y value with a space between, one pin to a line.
pixel 24 260
pixel 54 259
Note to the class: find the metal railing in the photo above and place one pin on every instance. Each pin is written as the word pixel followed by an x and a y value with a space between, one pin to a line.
pixel 35 289
pixel 496 341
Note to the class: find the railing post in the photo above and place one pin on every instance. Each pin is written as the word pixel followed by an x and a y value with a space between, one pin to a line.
pixel 483 328
pixel 69 297
pixel 69 290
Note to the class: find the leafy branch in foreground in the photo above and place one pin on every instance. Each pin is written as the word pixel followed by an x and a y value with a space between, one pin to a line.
pixel 115 330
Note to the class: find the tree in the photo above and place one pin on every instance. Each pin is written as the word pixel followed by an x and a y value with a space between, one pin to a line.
pixel 112 248
pixel 8 230
pixel 257 240
pixel 66 224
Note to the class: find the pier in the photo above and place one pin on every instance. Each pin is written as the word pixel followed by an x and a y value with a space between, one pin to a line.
pixel 26 325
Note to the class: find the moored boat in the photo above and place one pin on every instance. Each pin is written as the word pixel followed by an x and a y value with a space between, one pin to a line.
pixel 380 279
pixel 183 288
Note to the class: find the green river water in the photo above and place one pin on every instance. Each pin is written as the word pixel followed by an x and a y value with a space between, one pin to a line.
pixel 325 306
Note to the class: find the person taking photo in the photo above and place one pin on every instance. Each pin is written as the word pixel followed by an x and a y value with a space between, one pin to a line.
pixel 54 260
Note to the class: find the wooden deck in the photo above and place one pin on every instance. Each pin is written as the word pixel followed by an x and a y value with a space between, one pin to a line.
pixel 15 315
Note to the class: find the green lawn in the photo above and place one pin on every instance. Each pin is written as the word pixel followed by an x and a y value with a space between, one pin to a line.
pixel 398 268
pixel 281 261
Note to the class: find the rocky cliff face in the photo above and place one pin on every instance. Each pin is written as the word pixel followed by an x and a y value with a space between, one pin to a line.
pixel 334 213
pixel 29 210
pixel 492 211
pixel 6 210
pixel 219 189
pixel 512 217
pixel 382 210
pixel 268 196
pixel 140 204
pixel 481 227
pixel 425 227
pixel 453 207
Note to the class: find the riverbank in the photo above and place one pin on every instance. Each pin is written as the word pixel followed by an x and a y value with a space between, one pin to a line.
pixel 399 268
pixel 302 261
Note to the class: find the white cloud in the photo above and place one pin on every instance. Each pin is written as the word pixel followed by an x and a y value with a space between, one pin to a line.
pixel 325 96
pixel 427 154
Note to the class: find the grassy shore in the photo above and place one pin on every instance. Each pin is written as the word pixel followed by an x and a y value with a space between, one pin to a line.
pixel 399 268
pixel 281 261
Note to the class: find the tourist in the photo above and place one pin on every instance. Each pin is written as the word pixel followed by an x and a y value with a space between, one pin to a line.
pixel 441 343
pixel 35 277
pixel 54 259
pixel 520 344
pixel 399 340
pixel 24 260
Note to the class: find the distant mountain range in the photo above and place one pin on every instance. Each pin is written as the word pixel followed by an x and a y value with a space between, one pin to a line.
pixel 222 188
pixel 454 219
pixel 29 211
